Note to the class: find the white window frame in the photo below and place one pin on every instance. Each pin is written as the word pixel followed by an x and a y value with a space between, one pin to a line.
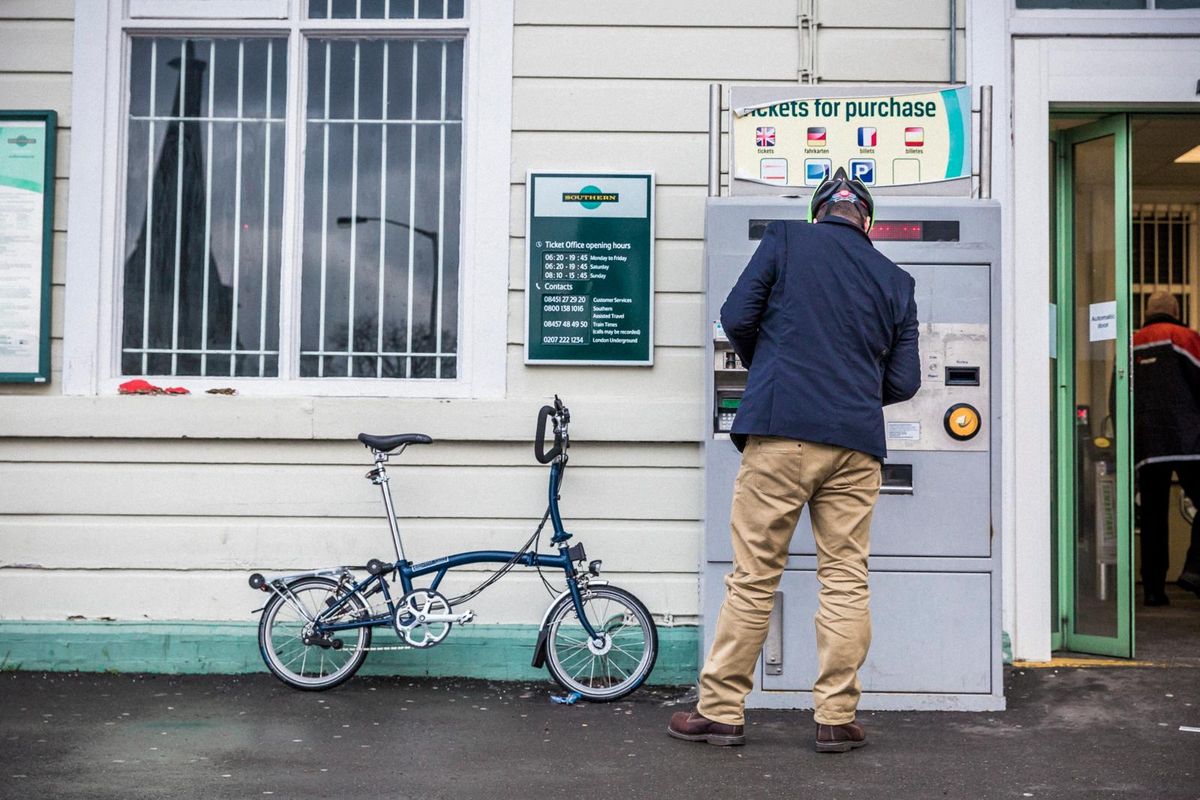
pixel 95 223
pixel 1102 22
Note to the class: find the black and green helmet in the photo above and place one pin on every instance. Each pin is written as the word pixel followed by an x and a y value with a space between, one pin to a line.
pixel 841 188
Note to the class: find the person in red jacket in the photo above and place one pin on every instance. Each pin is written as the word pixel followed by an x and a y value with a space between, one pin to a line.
pixel 1166 379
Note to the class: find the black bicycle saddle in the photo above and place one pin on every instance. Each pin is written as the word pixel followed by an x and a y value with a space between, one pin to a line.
pixel 386 444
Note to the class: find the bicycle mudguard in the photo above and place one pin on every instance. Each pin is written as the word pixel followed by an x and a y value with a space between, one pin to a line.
pixel 539 649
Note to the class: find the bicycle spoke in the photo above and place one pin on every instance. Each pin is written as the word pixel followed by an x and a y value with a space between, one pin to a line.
pixel 626 652
pixel 571 640
pixel 570 658
pixel 624 674
pixel 299 654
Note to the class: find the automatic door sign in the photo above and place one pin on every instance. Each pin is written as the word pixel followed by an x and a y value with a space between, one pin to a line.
pixel 892 140
pixel 589 284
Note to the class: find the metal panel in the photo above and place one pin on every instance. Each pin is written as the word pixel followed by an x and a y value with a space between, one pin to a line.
pixel 948 652
pixel 942 518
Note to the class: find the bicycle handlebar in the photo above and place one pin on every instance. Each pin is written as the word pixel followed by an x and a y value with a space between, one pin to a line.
pixel 561 417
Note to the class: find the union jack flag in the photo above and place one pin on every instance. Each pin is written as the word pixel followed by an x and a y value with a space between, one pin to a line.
pixel 765 137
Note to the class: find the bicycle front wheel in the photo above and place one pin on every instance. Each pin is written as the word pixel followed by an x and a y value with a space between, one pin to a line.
pixel 282 630
pixel 605 671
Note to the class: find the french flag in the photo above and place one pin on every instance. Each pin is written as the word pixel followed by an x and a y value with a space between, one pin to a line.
pixel 816 137
pixel 866 137
pixel 914 137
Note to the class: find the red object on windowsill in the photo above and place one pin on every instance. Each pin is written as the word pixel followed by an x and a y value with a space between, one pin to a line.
pixel 139 386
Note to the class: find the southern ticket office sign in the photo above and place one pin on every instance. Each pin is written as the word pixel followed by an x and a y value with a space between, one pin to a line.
pixel 893 140
pixel 26 236
pixel 589 283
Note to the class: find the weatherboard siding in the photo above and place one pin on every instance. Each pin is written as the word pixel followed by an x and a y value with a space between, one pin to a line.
pixel 156 509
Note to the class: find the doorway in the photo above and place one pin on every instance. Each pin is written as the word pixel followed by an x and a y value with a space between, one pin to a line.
pixel 1126 205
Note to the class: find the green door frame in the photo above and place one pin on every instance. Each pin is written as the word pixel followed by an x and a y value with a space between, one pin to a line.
pixel 1067 636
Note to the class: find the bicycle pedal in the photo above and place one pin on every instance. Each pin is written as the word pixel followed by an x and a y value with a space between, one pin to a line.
pixel 465 617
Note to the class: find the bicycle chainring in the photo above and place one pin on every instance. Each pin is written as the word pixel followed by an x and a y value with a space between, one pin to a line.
pixel 411 619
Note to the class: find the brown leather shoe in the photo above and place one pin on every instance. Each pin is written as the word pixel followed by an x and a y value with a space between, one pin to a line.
pixel 692 727
pixel 840 738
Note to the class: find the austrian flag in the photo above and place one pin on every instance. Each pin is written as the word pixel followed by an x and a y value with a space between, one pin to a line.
pixel 765 137
pixel 914 137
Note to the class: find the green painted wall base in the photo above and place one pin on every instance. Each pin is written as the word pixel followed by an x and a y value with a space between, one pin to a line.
pixel 494 652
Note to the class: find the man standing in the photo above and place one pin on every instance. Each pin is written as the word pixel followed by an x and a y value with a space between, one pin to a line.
pixel 1166 427
pixel 827 326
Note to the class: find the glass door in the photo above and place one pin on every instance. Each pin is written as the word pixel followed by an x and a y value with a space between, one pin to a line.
pixel 1094 436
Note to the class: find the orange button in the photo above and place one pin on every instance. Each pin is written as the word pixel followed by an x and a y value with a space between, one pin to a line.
pixel 962 421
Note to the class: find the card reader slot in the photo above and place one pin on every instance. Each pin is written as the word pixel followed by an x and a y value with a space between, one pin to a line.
pixel 897 479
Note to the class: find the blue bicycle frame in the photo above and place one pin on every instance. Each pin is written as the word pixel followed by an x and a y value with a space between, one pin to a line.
pixel 438 567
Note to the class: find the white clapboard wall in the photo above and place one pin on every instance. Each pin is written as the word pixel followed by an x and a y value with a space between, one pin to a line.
pixel 108 502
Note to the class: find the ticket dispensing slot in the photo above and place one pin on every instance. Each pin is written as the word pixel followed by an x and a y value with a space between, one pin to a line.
pixel 962 376
pixel 897 479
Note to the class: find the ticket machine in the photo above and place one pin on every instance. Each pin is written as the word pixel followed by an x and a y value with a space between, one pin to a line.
pixel 935 562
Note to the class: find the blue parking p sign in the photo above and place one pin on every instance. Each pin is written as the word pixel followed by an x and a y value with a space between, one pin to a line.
pixel 863 169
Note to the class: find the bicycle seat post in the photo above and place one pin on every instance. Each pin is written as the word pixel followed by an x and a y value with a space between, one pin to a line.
pixel 379 477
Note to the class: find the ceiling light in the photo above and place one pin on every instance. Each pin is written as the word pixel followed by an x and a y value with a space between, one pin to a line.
pixel 1190 157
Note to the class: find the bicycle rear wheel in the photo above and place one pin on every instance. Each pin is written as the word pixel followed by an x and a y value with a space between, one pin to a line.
pixel 312 667
pixel 609 671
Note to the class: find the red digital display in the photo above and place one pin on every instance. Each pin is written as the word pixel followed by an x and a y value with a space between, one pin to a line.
pixel 885 231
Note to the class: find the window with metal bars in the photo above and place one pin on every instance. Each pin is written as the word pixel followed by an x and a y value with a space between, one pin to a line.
pixel 1165 258
pixel 377 185
pixel 381 209
pixel 204 172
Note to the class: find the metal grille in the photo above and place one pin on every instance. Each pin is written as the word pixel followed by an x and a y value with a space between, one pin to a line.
pixel 1165 257
pixel 204 207
pixel 379 282
pixel 385 9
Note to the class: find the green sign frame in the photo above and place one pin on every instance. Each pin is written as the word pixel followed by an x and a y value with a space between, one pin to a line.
pixel 27 163
pixel 589 268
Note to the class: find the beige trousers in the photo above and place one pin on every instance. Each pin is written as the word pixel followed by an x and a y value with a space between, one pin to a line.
pixel 778 477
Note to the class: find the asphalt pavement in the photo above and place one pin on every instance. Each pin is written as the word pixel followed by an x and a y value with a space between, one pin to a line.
pixel 1068 733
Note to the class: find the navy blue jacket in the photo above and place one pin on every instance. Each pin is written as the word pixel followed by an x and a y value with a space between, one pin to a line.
pixel 828 328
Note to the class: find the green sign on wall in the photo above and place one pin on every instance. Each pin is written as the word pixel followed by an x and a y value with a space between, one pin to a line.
pixel 589 280
pixel 26 237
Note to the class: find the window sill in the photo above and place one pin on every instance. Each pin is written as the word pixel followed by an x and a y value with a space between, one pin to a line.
pixel 417 388
pixel 205 416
